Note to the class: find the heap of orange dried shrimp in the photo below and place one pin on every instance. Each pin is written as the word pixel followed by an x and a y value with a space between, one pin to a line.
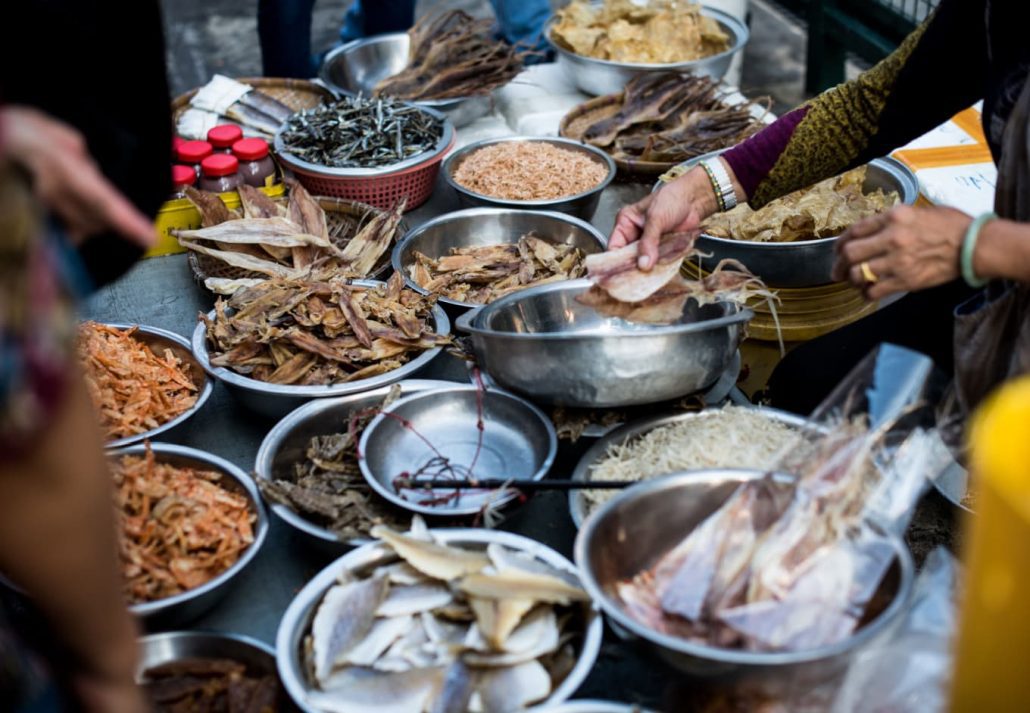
pixel 133 389
pixel 179 527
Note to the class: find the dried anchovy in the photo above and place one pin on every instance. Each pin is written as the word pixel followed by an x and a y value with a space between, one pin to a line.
pixel 358 132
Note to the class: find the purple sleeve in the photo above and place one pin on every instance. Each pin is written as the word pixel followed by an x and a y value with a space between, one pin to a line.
pixel 753 159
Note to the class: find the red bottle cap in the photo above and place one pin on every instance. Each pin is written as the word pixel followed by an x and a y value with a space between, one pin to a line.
pixel 224 136
pixel 221 164
pixel 177 141
pixel 250 149
pixel 194 151
pixel 183 176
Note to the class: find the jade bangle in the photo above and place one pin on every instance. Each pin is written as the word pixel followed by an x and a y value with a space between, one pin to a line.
pixel 969 247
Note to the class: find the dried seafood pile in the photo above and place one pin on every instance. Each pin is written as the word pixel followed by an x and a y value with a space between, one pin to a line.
pixel 479 275
pixel 319 330
pixel 358 132
pixel 452 55
pixel 158 504
pixel 821 211
pixel 443 628
pixel 328 487
pixel 284 241
pixel 528 171
pixel 196 684
pixel 656 32
pixel 133 389
pixel 224 100
pixel 664 118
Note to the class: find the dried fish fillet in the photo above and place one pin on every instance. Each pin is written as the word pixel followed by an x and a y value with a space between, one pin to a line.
pixel 434 560
pixel 617 273
pixel 276 231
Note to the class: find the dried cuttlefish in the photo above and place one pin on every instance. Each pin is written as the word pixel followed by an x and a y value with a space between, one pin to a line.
pixel 443 628
pixel 319 330
pixel 484 273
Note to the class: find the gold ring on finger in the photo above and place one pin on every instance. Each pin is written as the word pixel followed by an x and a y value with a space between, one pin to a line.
pixel 867 272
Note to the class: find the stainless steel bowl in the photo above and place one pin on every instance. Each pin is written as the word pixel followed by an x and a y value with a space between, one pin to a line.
pixel 582 205
pixel 286 444
pixel 358 66
pixel 602 76
pixel 296 621
pixel 277 400
pixel 490 226
pixel 578 505
pixel 805 263
pixel 518 443
pixel 189 605
pixel 628 534
pixel 544 344
pixel 159 340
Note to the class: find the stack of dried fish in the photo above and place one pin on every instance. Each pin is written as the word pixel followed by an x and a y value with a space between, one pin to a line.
pixel 358 132
pixel 224 100
pixel 328 486
pixel 443 628
pixel 664 118
pixel 479 275
pixel 274 240
pixel 319 330
pixel 452 55
pixel 210 685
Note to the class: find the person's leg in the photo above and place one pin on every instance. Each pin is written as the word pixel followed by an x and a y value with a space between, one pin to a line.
pixel 284 31
pixel 922 321
pixel 523 21
pixel 376 18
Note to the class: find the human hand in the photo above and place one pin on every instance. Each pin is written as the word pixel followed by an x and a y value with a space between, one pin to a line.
pixel 905 249
pixel 66 178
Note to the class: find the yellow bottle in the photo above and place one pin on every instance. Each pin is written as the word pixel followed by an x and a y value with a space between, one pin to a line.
pixel 992 671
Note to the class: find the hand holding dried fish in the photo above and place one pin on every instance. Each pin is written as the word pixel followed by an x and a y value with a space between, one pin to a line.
pixel 529 171
pixel 357 132
pixel 202 684
pixel 443 628
pixel 484 273
pixel 452 55
pixel 319 330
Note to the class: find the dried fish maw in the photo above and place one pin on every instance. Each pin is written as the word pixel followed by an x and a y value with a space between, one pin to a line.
pixel 364 690
pixel 212 210
pixel 617 273
pixel 343 620
pixel 434 560
pixel 497 618
pixel 522 585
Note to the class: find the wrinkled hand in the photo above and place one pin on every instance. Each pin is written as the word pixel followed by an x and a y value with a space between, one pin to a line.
pixel 66 178
pixel 907 249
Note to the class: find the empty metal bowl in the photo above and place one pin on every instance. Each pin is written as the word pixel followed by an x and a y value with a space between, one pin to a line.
pixel 490 226
pixel 582 205
pixel 602 76
pixel 630 533
pixel 542 343
pixel 518 443
pixel 296 621
pixel 159 340
pixel 358 66
pixel 277 400
pixel 190 604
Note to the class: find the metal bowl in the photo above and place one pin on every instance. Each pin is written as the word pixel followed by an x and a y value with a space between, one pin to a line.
pixel 159 340
pixel 602 76
pixel 296 621
pixel 287 443
pixel 189 605
pixel 358 66
pixel 629 533
pixel 490 226
pixel 578 506
pixel 582 205
pixel 277 400
pixel 804 263
pixel 518 443
pixel 544 344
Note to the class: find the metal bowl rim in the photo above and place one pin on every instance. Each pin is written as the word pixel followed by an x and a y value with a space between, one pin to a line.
pixel 273 441
pixel 590 705
pixel 261 527
pixel 202 396
pixel 397 263
pixel 187 634
pixel 442 326
pixel 471 324
pixel 301 608
pixel 732 656
pixel 740 31
pixel 469 149
pixel 443 144
pixel 541 472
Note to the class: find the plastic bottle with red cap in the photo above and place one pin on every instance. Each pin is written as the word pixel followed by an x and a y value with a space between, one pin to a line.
pixel 223 136
pixel 256 166
pixel 193 153
pixel 182 176
pixel 220 173
pixel 177 141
